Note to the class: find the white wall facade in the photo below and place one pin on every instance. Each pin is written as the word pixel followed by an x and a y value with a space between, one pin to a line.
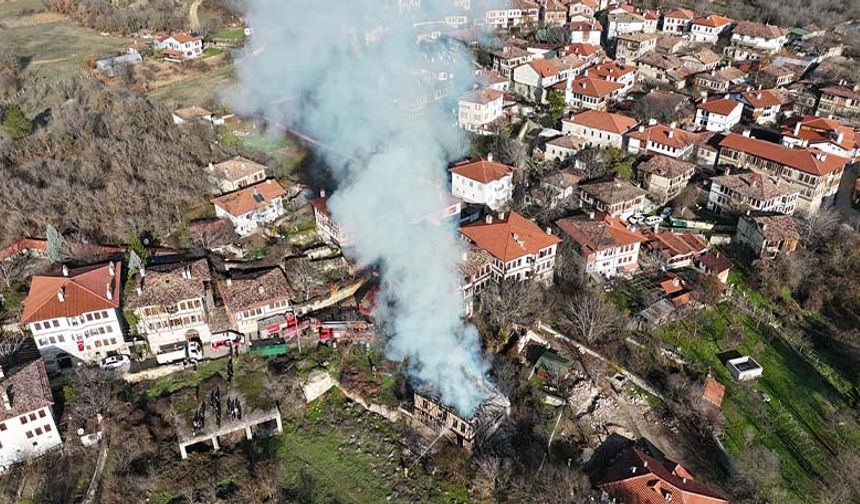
pixel 26 436
pixel 494 194
pixel 89 337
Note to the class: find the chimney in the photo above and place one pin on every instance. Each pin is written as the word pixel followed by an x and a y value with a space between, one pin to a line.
pixel 142 271
pixel 211 167
pixel 591 214
pixel 501 215
pixel 652 122
pixel 229 282
pixel 641 129
pixel 488 219
pixel 671 133
pixel 490 157
pixel 61 294
pixel 2 374
pixel 65 270
pixel 746 132
pixel 840 136
pixel 322 193
pixel 548 230
pixel 112 268
pixel 139 290
pixel 797 127
pixel 673 125
pixel 108 291
pixel 516 237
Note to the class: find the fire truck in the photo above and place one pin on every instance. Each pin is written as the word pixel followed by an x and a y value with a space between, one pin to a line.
pixel 334 331
pixel 286 326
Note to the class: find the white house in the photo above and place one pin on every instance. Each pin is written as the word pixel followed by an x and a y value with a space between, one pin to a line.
pixel 707 29
pixel 598 128
pixel 585 32
pixel 479 109
pixel 326 225
pixel 75 315
pixel 718 115
pixel 252 207
pixel 737 193
pixel 27 425
pixel 171 303
pixel 826 135
pixel 661 139
pixel 483 182
pixel 762 106
pixel 591 93
pixel 616 197
pixel 181 46
pixel 251 297
pixel 236 173
pixel 521 250
pixel 678 21
pixel 518 13
pixel 562 148
pixel 585 8
pixel 763 37
pixel 604 245
pixel 621 23
pixel 619 73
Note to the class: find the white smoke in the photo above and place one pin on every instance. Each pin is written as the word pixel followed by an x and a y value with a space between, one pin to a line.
pixel 351 74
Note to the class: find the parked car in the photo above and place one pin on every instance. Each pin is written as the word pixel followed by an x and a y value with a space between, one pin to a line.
pixel 654 219
pixel 114 361
pixel 636 219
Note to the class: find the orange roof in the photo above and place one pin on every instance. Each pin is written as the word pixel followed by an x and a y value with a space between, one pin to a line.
pixel 584 26
pixel 544 67
pixel 589 3
pixel 582 49
pixel 713 391
pixel 638 477
pixel 604 121
pixel 815 130
pixel 596 88
pixel 660 133
pixel 611 69
pixel 713 21
pixel 811 161
pixel 680 14
pixel 601 233
pixel 482 171
pixel 678 244
pixel 723 106
pixel 250 198
pixel 482 96
pixel 762 98
pixel 84 290
pixel 509 237
pixel 184 38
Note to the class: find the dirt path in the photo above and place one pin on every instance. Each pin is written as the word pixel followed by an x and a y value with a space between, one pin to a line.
pixel 193 18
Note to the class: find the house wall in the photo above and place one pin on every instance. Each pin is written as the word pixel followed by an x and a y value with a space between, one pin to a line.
pixel 611 261
pixel 98 332
pixel 29 435
pixel 248 223
pixel 245 321
pixel 722 199
pixel 473 115
pixel 493 194
pixel 556 153
pixel 592 136
pixel 167 324
pixel 228 185
pixel 718 122
pixel 662 189
pixel 761 43
pixel 706 34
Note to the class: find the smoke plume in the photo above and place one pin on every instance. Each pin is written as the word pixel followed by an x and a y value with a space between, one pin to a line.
pixel 353 75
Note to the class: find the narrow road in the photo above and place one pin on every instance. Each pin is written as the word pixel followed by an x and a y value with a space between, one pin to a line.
pixel 193 18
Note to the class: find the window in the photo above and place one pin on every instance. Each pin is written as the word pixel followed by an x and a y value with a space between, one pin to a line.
pixel 2 426
pixel 48 428
pixel 32 416
pixel 56 323
pixel 29 434
pixel 61 338
pixel 41 413
pixel 38 326
pixel 38 431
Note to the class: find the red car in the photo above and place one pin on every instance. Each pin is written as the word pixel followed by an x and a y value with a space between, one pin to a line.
pixel 236 339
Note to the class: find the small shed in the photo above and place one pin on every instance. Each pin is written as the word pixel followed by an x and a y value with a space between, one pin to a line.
pixel 744 368
pixel 115 65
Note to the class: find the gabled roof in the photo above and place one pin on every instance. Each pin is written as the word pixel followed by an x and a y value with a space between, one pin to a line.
pixel 567 142
pixel 611 69
pixel 680 14
pixel 754 185
pixel 168 284
pixel 601 233
pixel 543 67
pixel 638 477
pixel 712 21
pixel 238 167
pixel 677 244
pixel 596 88
pixel 753 29
pixel 762 98
pixel 604 121
pixel 584 26
pixel 613 191
pixel 775 227
pixel 582 49
pixel 482 170
pixel 482 96
pixel 509 237
pixel 722 106
pixel 183 38
pixel 665 135
pixel 811 161
pixel 666 166
pixel 250 198
pixel 841 91
pixel 252 290
pixel 713 391
pixel 818 130
pixel 84 290
pixel 28 389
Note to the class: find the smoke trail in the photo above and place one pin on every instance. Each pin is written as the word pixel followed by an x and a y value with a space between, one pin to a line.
pixel 351 74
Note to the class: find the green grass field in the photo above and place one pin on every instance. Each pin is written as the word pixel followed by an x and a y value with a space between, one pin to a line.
pixel 57 49
pixel 791 409
pixel 197 90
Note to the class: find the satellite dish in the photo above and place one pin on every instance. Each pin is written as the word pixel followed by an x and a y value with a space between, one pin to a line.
pixel 80 431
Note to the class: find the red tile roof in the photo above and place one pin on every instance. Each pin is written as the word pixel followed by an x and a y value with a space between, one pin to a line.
pixel 639 478
pixel 762 98
pixel 611 69
pixel 713 21
pixel 753 29
pixel 584 26
pixel 604 121
pixel 680 14
pixel 601 233
pixel 582 49
pixel 250 198
pixel 482 96
pixel 660 133
pixel 84 290
pixel 678 244
pixel 482 171
pixel 509 237
pixel 596 88
pixel 810 161
pixel 184 38
pixel 722 106
pixel 814 130
pixel 543 67
pixel 713 391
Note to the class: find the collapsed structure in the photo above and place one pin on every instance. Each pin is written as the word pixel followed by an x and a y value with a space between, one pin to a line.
pixel 467 432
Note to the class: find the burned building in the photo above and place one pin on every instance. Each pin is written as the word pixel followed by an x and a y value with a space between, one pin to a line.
pixel 469 432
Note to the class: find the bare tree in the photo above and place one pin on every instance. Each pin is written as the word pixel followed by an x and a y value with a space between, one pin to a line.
pixel 591 317
pixel 11 341
pixel 212 234
pixel 90 393
pixel 12 270
pixel 512 302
